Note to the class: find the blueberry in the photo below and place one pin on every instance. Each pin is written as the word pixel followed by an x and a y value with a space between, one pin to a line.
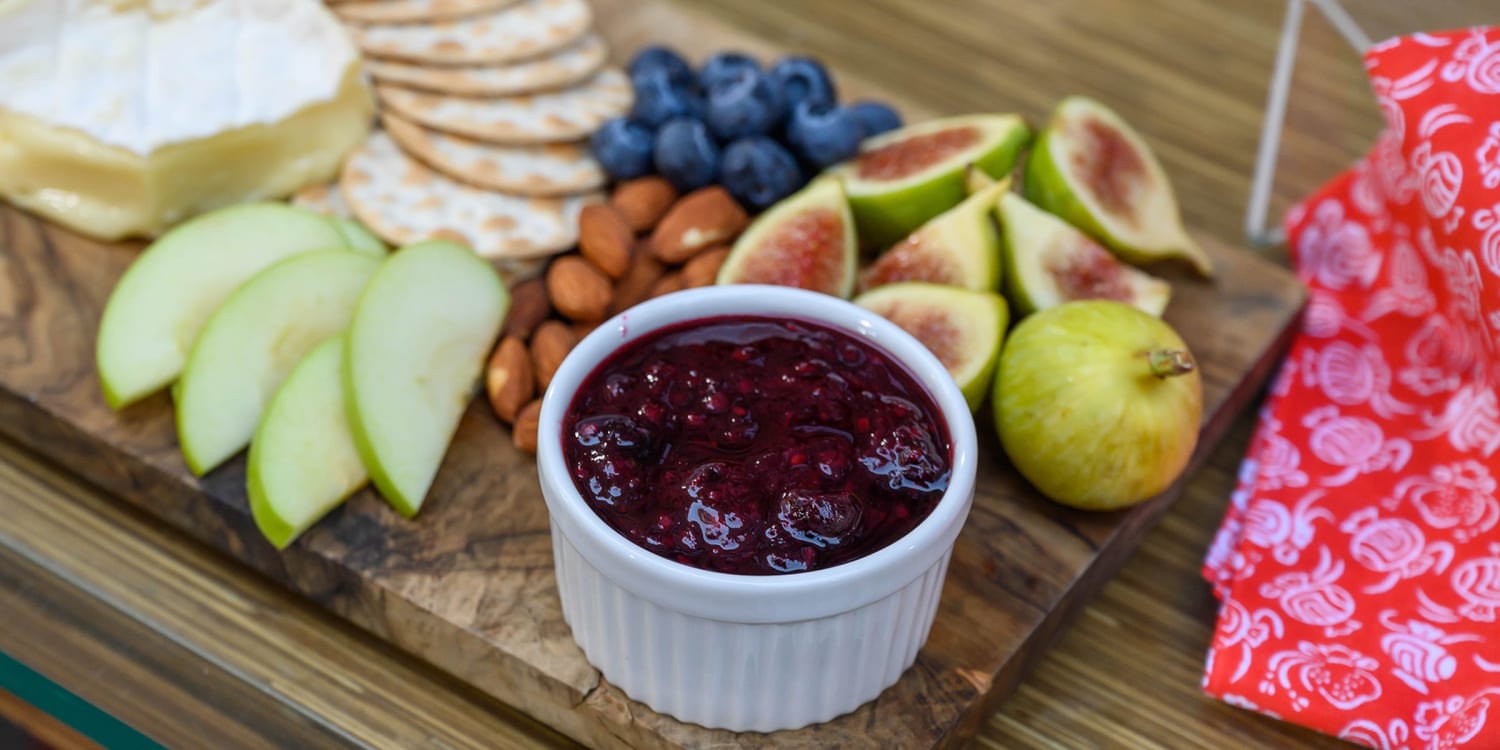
pixel 658 99
pixel 719 66
pixel 623 147
pixel 875 117
pixel 653 59
pixel 743 102
pixel 803 79
pixel 757 171
pixel 686 155
pixel 823 134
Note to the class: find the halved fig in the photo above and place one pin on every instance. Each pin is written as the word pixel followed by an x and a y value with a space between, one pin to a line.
pixel 1050 262
pixel 902 178
pixel 805 241
pixel 960 247
pixel 976 180
pixel 1093 170
pixel 963 328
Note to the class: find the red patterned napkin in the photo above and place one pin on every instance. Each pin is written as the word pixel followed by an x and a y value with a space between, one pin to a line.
pixel 1359 562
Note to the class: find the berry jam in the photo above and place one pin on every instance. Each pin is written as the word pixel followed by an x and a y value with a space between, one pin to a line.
pixel 756 445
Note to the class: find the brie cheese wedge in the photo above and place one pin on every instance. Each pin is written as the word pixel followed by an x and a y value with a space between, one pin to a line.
pixel 123 117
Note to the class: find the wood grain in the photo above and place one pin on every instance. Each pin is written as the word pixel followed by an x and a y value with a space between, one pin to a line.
pixel 41 726
pixel 389 576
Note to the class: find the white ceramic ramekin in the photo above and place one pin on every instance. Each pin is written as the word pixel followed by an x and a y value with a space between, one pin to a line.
pixel 749 653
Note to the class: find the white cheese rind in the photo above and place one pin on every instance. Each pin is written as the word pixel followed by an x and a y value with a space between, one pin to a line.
pixel 143 75
pixel 110 193
pixel 120 118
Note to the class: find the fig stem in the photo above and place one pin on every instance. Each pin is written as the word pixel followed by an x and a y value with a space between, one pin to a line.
pixel 1166 363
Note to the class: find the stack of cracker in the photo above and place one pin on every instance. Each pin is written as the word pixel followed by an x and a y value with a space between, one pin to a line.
pixel 486 106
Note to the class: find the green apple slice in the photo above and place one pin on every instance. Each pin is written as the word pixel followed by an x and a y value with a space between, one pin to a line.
pixel 805 241
pixel 156 310
pixel 253 340
pixel 1093 170
pixel 905 177
pixel 416 346
pixel 357 237
pixel 960 247
pixel 963 328
pixel 1050 262
pixel 303 462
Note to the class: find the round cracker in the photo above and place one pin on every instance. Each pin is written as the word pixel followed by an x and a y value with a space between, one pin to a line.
pixel 561 69
pixel 323 198
pixel 403 201
pixel 415 11
pixel 531 29
pixel 546 170
pixel 550 117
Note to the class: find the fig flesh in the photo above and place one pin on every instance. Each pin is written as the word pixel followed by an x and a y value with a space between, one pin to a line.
pixel 1049 262
pixel 1090 168
pixel 1097 404
pixel 963 328
pixel 905 177
pixel 805 241
pixel 960 247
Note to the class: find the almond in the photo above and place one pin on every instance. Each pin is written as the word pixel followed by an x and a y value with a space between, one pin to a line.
pixel 579 290
pixel 550 344
pixel 509 380
pixel 643 201
pixel 672 282
pixel 529 306
pixel 703 269
pixel 525 429
pixel 583 329
pixel 702 218
pixel 605 239
pixel 635 286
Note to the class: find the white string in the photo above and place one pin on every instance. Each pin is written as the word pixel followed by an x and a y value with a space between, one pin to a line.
pixel 1259 207
pixel 1270 132
pixel 1344 24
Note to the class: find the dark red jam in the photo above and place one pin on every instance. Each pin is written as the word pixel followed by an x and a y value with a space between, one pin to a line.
pixel 756 445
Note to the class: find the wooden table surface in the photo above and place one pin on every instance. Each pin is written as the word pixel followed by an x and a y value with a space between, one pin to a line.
pixel 194 651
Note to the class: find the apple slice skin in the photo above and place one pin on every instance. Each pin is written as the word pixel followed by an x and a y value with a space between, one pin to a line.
pixel 250 344
pixel 358 238
pixel 886 213
pixel 966 321
pixel 161 302
pixel 1024 228
pixel 1051 186
pixel 302 461
pixel 414 352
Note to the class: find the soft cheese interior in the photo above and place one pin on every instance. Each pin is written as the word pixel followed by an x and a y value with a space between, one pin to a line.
pixel 122 118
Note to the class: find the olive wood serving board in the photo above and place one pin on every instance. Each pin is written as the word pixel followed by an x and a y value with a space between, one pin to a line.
pixel 468 586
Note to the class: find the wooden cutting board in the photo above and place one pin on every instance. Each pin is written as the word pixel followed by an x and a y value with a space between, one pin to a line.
pixel 468 585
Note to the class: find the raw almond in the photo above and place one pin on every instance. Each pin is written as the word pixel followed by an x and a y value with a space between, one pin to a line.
pixel 525 429
pixel 702 218
pixel 529 306
pixel 703 269
pixel 550 344
pixel 672 282
pixel 579 290
pixel 582 329
pixel 643 201
pixel 509 381
pixel 635 286
pixel 605 239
